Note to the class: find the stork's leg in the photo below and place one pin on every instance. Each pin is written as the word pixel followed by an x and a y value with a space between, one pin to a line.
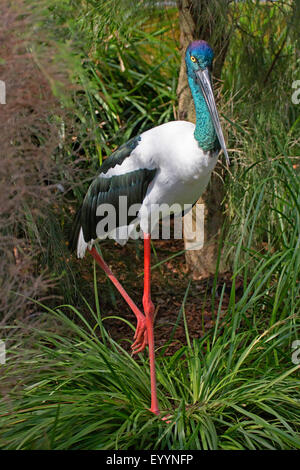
pixel 149 313
pixel 141 329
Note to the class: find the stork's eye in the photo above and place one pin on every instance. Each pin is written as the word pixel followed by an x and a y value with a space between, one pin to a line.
pixel 193 59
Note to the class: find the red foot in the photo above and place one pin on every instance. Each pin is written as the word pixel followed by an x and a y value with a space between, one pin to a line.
pixel 141 338
pixel 155 411
pixel 166 419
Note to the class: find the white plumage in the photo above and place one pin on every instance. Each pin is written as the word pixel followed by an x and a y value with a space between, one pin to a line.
pixel 183 172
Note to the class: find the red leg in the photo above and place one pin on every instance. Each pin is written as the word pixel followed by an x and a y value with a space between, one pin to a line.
pixel 149 313
pixel 141 329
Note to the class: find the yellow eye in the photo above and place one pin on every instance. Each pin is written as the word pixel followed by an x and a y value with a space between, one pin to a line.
pixel 193 59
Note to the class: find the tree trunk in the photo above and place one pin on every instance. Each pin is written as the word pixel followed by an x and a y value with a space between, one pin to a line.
pixel 204 19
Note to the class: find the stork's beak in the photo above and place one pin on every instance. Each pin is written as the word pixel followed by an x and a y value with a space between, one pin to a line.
pixel 205 84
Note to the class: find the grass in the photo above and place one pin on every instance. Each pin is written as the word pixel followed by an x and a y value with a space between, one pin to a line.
pixel 67 384
pixel 235 388
pixel 223 392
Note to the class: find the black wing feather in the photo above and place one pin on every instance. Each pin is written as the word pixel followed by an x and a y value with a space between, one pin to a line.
pixel 119 155
pixel 134 185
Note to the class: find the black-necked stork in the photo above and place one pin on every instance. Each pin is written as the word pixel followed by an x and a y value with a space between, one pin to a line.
pixel 169 164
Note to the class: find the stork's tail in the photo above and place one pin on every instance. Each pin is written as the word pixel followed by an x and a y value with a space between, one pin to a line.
pixel 76 240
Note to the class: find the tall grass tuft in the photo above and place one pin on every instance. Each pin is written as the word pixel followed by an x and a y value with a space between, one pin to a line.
pixel 235 388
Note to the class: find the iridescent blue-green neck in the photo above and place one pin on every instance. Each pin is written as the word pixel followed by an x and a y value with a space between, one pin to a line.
pixel 205 133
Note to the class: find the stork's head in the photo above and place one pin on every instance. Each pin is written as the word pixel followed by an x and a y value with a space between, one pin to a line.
pixel 198 58
pixel 199 55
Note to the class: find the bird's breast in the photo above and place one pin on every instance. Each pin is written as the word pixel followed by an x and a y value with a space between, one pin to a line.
pixel 173 149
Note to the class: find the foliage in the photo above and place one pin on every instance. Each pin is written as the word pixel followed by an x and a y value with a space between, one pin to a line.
pixel 113 73
pixel 31 168
pixel 233 389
